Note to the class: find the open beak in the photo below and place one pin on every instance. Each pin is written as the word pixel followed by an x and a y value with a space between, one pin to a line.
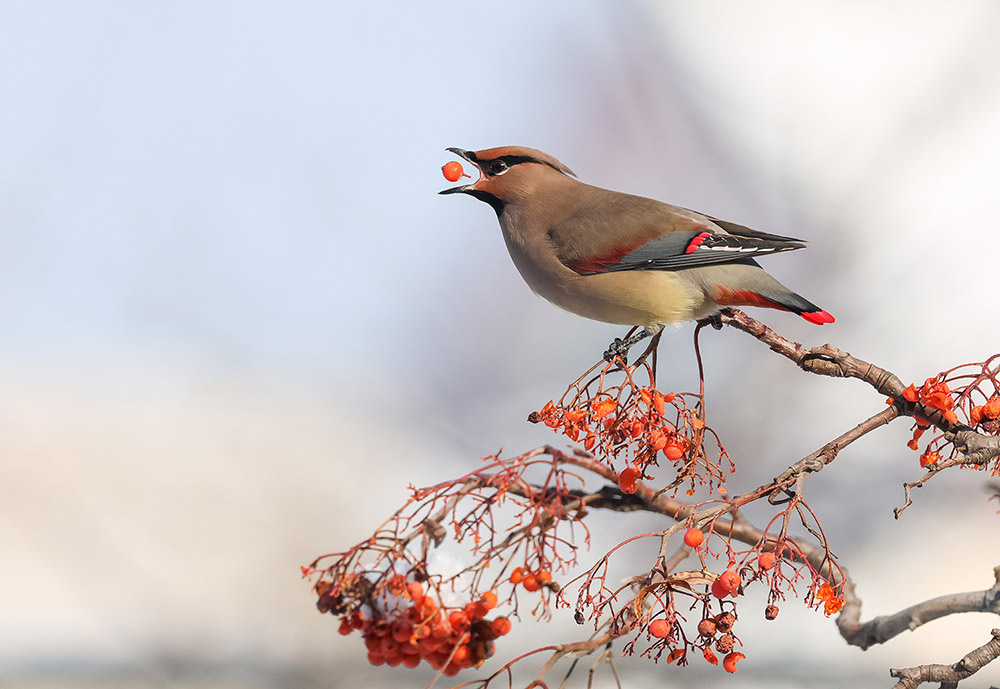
pixel 469 157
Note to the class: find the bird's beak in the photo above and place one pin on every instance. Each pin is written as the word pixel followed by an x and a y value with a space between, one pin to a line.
pixel 470 157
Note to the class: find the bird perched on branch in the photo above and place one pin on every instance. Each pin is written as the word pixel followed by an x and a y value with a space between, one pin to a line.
pixel 620 258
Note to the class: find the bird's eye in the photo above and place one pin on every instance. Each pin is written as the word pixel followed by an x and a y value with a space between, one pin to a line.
pixel 498 167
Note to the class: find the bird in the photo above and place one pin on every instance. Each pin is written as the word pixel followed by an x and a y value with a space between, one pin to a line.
pixel 620 258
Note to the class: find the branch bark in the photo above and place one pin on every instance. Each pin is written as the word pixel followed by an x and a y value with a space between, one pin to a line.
pixel 949 675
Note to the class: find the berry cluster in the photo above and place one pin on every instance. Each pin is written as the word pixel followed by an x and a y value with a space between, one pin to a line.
pixel 637 425
pixel 936 394
pixel 410 625
pixel 825 594
pixel 531 581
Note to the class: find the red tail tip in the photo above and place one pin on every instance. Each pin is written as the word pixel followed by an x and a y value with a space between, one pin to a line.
pixel 818 317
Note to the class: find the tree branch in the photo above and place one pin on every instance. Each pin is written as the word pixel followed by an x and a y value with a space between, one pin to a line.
pixel 880 629
pixel 949 675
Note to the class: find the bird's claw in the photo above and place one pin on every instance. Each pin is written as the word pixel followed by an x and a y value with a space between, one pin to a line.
pixel 617 349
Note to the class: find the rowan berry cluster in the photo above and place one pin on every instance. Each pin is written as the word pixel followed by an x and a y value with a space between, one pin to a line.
pixel 403 623
pixel 633 426
pixel 972 398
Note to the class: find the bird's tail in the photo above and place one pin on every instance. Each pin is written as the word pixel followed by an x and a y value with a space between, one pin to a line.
pixel 750 285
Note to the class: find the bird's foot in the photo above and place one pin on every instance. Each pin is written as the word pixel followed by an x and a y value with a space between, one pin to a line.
pixel 619 348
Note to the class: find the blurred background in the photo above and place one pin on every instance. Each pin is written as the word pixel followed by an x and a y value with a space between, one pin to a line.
pixel 236 320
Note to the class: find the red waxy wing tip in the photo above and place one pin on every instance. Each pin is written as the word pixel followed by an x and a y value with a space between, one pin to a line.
pixel 818 317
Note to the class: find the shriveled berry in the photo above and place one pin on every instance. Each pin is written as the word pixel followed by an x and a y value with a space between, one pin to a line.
pixel 991 409
pixel 770 612
pixel 707 627
pixel 725 621
pixel 693 538
pixel 725 643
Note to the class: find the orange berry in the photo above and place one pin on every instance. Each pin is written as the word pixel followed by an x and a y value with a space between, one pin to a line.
pixel 729 662
pixel 950 415
pixel 453 171
pixel 913 444
pixel 976 415
pixel 929 457
pixel 693 538
pixel 457 618
pixel 501 626
pixel 462 654
pixel 675 654
pixel 489 600
pixel 718 590
pixel 824 592
pixel 673 452
pixel 710 657
pixel 657 439
pixel 627 480
pixel 544 577
pixel 730 580
pixel 375 658
pixel 402 630
pixel 991 409
pixel 659 628
pixel 345 626
pixel 411 661
pixel 910 394
pixel 517 576
pixel 603 407
pixel 766 561
pixel 659 403
pixel 475 611
pixel 531 583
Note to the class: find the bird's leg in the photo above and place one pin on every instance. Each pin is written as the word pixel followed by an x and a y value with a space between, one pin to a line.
pixel 651 349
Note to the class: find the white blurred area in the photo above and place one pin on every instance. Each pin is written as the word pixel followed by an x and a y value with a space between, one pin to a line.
pixel 236 320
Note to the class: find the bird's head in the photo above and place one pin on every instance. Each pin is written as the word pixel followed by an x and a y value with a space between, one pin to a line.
pixel 509 174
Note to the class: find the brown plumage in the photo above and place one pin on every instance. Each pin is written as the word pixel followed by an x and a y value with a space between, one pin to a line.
pixel 621 258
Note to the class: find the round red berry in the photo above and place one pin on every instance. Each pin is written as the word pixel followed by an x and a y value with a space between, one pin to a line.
pixel 452 171
pixel 659 628
pixel 693 538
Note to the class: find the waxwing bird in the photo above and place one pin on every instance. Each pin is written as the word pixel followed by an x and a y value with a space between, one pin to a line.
pixel 620 258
